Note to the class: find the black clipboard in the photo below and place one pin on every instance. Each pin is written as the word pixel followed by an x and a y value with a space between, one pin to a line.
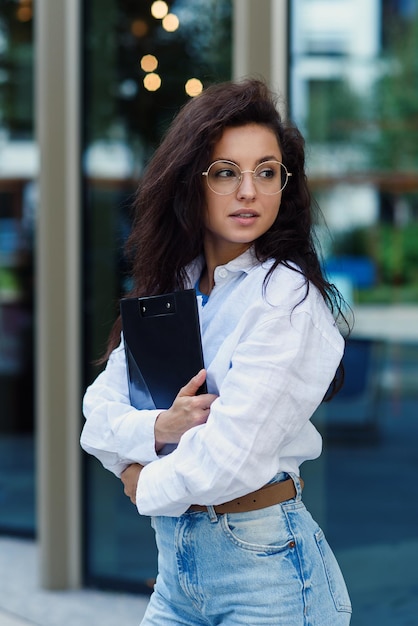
pixel 162 346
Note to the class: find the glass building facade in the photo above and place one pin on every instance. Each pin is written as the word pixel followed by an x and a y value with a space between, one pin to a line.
pixel 18 168
pixel 352 89
pixel 137 73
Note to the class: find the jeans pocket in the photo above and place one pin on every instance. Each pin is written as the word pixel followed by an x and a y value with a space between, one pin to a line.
pixel 264 531
pixel 333 573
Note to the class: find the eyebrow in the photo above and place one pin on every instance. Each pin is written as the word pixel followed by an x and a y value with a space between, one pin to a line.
pixel 269 158
pixel 263 159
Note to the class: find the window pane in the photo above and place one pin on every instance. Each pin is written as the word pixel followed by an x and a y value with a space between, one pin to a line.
pixel 136 71
pixel 18 165
pixel 354 77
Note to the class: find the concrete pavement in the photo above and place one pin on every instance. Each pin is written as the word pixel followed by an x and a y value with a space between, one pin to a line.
pixel 11 620
pixel 24 603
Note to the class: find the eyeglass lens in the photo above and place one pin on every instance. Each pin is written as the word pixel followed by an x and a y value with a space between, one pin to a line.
pixel 269 177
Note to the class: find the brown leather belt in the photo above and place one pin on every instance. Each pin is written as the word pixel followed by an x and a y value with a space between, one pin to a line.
pixel 270 494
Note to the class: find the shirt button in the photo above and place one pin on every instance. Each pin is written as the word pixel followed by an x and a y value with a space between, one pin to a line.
pixel 223 273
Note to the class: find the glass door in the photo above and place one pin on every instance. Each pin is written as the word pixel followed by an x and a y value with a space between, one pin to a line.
pixel 142 61
pixel 18 204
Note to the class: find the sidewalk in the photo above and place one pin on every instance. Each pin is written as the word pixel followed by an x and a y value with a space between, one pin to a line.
pixel 10 620
pixel 24 603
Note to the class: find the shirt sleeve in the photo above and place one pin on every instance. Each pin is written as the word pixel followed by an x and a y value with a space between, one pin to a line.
pixel 280 371
pixel 115 432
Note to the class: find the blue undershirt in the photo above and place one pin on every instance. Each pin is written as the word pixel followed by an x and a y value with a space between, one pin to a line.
pixel 205 297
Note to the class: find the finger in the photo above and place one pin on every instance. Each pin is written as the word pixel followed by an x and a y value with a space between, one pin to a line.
pixel 124 475
pixel 191 388
pixel 210 397
pixel 205 400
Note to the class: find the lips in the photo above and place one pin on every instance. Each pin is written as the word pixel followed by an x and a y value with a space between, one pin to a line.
pixel 244 214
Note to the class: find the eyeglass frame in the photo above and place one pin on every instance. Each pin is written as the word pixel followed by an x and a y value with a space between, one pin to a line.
pixel 206 174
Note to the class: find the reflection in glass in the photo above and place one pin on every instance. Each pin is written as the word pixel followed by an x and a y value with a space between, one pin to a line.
pixel 170 23
pixel 18 167
pixel 354 92
pixel 193 87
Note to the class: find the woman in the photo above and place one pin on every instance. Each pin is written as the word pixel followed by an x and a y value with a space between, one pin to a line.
pixel 224 207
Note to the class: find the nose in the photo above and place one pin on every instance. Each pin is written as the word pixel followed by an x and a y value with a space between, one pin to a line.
pixel 247 188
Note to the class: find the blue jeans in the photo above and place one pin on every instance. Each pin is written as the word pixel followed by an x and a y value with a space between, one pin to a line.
pixel 272 566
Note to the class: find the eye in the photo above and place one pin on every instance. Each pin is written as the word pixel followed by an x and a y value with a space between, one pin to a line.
pixel 268 171
pixel 224 171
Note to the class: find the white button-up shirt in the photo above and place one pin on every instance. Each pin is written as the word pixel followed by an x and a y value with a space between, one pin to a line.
pixel 270 357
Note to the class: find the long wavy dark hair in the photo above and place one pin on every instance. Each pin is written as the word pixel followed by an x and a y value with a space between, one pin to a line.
pixel 168 225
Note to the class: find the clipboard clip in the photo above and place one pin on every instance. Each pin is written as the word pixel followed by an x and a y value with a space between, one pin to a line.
pixel 153 306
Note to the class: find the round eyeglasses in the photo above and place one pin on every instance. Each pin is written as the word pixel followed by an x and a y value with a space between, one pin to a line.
pixel 224 177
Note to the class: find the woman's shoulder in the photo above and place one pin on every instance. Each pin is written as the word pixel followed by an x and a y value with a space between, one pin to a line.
pixel 285 280
pixel 287 288
pixel 288 292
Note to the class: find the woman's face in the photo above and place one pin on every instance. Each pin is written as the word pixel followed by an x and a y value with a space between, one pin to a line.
pixel 234 221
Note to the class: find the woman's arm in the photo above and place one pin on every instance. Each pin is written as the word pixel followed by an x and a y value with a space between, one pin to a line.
pixel 118 435
pixel 115 432
pixel 280 371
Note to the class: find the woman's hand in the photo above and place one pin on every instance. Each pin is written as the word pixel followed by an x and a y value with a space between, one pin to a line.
pixel 188 410
pixel 130 478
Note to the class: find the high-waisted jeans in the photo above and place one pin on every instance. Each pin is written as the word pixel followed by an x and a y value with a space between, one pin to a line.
pixel 271 566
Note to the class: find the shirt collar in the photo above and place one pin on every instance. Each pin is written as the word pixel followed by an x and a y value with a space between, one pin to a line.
pixel 245 262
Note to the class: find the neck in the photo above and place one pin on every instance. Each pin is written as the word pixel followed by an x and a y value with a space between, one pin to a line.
pixel 214 258
pixel 206 283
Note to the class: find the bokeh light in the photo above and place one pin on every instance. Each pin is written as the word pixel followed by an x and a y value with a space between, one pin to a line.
pixel 24 13
pixel 159 9
pixel 139 28
pixel 170 23
pixel 152 82
pixel 128 89
pixel 193 87
pixel 149 63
